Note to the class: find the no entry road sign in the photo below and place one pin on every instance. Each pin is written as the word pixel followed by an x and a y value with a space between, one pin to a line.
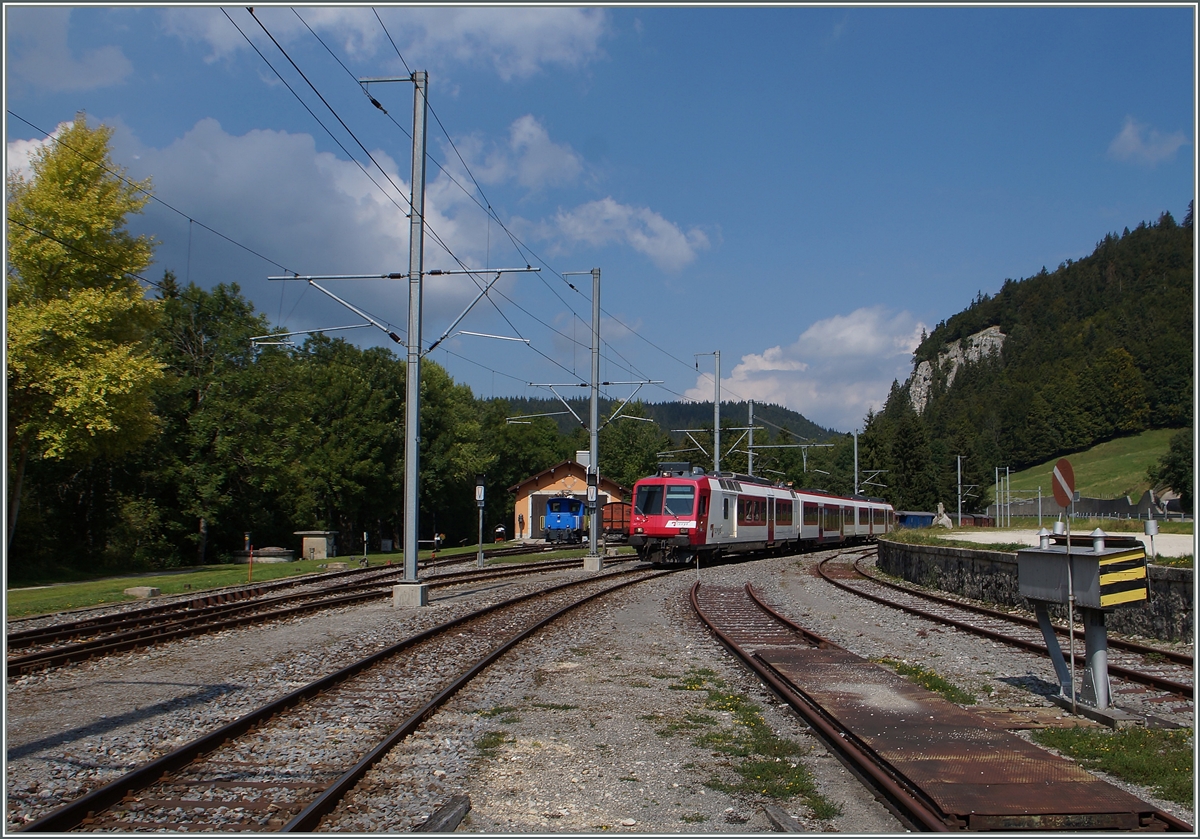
pixel 1064 483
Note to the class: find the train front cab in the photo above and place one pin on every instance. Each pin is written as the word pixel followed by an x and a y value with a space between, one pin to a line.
pixel 669 519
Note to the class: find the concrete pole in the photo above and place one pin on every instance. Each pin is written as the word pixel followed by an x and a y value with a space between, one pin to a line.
pixel 959 459
pixel 856 461
pixel 592 562
pixel 1007 498
pixel 479 556
pixel 717 418
pixel 1095 646
pixel 750 445
pixel 412 443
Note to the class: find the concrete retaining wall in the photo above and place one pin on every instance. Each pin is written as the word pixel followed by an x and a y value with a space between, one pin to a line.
pixel 992 576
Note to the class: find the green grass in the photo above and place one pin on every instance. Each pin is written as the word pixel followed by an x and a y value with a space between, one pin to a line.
pixel 767 764
pixel 65 590
pixel 496 711
pixel 934 536
pixel 1175 561
pixel 1156 758
pixel 1108 470
pixel 490 743
pixel 929 680
pixel 56 598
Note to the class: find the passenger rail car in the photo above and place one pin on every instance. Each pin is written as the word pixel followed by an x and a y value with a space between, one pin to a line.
pixel 679 516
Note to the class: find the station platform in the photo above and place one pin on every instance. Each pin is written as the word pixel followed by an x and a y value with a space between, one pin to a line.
pixel 980 776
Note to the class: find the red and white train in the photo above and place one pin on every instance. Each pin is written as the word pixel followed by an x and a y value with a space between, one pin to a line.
pixel 682 514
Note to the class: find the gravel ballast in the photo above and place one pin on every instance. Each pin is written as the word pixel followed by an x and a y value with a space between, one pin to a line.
pixel 585 728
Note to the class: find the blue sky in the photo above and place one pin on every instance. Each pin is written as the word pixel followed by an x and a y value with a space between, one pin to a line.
pixel 803 189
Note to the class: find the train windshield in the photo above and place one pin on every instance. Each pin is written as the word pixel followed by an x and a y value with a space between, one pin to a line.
pixel 649 500
pixel 680 500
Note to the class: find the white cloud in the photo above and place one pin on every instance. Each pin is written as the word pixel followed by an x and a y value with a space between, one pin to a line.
pixel 540 162
pixel 837 370
pixel 529 157
pixel 39 57
pixel 19 155
pixel 1141 144
pixel 317 214
pixel 516 42
pixel 606 221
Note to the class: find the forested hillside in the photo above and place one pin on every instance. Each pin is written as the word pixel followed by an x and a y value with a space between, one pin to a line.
pixel 677 415
pixel 1097 349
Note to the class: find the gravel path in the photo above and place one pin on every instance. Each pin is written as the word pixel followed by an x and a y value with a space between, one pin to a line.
pixel 579 731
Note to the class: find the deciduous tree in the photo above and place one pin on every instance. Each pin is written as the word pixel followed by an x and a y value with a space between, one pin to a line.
pixel 80 373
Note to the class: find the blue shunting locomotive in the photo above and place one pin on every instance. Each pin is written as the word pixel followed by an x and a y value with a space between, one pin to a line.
pixel 564 520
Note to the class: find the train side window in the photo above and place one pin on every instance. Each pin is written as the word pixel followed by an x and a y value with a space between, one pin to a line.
pixel 725 507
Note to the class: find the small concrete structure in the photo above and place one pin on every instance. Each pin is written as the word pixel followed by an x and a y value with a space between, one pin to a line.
pixel 410 594
pixel 142 592
pixel 318 544
pixel 337 566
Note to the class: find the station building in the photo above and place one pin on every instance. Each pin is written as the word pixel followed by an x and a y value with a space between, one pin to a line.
pixel 568 478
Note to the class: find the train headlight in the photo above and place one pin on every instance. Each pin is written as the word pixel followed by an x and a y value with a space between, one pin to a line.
pixel 639 530
pixel 684 531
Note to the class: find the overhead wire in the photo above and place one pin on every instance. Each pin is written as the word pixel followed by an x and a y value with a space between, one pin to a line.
pixel 342 122
pixel 304 104
pixel 488 209
pixel 486 206
pixel 521 247
pixel 149 194
pixel 86 253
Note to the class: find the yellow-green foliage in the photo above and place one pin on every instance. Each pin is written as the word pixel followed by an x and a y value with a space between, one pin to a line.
pixel 80 373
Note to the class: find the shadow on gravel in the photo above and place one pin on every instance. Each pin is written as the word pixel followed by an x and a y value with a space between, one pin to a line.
pixel 206 694
pixel 1034 684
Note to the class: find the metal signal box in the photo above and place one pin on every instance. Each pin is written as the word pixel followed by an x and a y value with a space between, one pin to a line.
pixel 1103 579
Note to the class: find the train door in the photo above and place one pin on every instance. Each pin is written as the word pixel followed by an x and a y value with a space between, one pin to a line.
pixel 771 519
pixel 810 520
pixel 702 510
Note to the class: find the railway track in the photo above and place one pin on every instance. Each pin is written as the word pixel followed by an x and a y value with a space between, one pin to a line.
pixel 41 648
pixel 285 766
pixel 97 615
pixel 1161 670
pixel 938 767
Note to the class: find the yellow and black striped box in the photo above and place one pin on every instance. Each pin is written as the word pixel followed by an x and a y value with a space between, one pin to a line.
pixel 1123 578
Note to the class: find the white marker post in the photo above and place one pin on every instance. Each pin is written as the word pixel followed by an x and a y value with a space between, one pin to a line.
pixel 1063 481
